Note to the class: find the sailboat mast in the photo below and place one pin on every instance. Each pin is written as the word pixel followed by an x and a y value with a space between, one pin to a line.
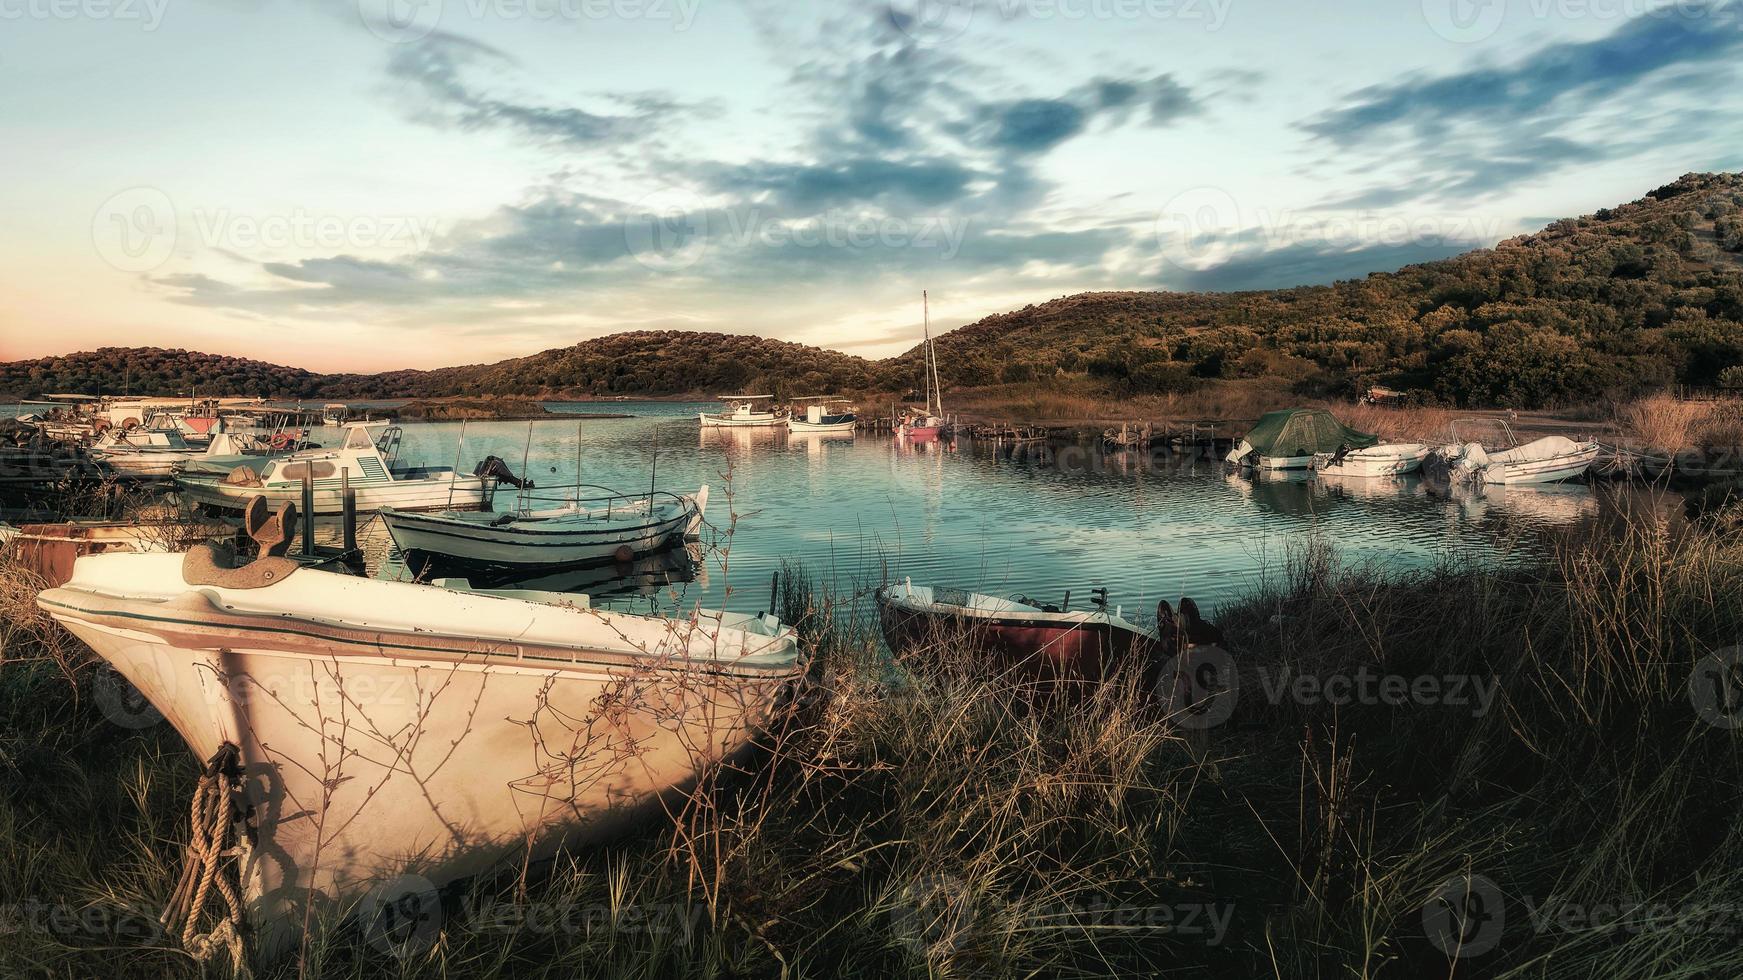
pixel 927 378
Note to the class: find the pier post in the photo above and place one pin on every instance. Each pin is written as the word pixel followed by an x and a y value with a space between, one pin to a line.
pixel 308 512
pixel 348 508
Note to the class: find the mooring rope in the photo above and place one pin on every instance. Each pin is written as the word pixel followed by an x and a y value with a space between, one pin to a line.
pixel 212 845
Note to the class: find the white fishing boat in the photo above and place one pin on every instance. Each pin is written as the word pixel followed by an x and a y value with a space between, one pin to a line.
pixel 334 413
pixel 228 450
pixel 367 461
pixel 380 739
pixel 818 417
pixel 1546 460
pixel 1386 459
pixel 580 532
pixel 143 453
pixel 1293 438
pixel 744 411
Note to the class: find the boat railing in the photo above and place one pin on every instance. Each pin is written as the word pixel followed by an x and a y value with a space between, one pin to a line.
pixel 610 498
pixel 1458 435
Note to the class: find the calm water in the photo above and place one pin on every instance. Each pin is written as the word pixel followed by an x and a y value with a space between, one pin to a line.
pixel 1039 521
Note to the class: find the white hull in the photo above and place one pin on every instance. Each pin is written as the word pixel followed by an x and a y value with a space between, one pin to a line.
pixel 396 737
pixel 1377 461
pixel 800 425
pixel 553 542
pixel 741 421
pixel 464 492
pixel 1541 471
pixel 144 464
pixel 1283 462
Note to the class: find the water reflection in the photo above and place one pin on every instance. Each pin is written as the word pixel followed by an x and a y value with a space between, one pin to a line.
pixel 997 517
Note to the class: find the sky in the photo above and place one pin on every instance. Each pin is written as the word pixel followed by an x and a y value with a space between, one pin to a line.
pixel 363 185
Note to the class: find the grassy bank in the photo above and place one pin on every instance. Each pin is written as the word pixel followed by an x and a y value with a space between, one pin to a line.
pixel 1551 749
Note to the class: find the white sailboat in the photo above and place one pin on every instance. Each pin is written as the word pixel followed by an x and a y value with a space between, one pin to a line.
pixel 580 532
pixel 389 733
pixel 744 412
pixel 366 461
pixel 929 424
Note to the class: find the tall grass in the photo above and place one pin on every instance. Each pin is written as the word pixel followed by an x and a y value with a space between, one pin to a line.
pixel 927 816
pixel 1666 424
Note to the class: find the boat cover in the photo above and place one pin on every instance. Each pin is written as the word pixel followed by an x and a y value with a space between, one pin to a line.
pixel 1549 447
pixel 1304 432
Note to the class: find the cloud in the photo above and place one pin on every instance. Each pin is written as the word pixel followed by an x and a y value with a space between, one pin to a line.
pixel 1463 136
pixel 1310 264
pixel 808 188
pixel 437 66
pixel 1572 74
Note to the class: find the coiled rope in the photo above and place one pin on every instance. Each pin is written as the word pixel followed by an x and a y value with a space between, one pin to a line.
pixel 213 849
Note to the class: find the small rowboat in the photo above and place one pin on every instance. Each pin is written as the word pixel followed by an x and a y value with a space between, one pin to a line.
pixel 579 533
pixel 1037 641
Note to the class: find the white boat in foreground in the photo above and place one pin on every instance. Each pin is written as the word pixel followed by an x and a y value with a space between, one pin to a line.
pixel 367 462
pixel 581 532
pixel 394 737
pixel 744 412
pixel 1546 460
pixel 1386 459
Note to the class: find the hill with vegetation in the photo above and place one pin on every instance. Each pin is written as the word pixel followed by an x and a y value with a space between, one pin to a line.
pixel 1643 295
pixel 1636 297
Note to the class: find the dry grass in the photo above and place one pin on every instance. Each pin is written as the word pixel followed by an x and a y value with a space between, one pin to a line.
pixel 1666 424
pixel 927 818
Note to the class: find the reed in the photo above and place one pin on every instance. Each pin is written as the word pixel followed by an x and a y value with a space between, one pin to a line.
pixel 930 816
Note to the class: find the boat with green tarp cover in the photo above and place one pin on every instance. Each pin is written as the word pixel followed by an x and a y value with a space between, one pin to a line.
pixel 1290 439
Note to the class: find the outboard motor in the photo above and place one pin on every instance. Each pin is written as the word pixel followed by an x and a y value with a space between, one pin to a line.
pixel 493 467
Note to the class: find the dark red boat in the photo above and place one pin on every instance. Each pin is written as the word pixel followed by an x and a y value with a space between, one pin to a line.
pixel 1041 641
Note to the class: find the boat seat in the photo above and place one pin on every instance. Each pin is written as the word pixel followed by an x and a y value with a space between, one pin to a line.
pixel 215 565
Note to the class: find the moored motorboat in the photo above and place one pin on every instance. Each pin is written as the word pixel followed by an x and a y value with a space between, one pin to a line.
pixel 366 463
pixel 744 413
pixel 142 454
pixel 1385 459
pixel 1293 438
pixel 1550 459
pixel 818 418
pixel 371 735
pixel 580 532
